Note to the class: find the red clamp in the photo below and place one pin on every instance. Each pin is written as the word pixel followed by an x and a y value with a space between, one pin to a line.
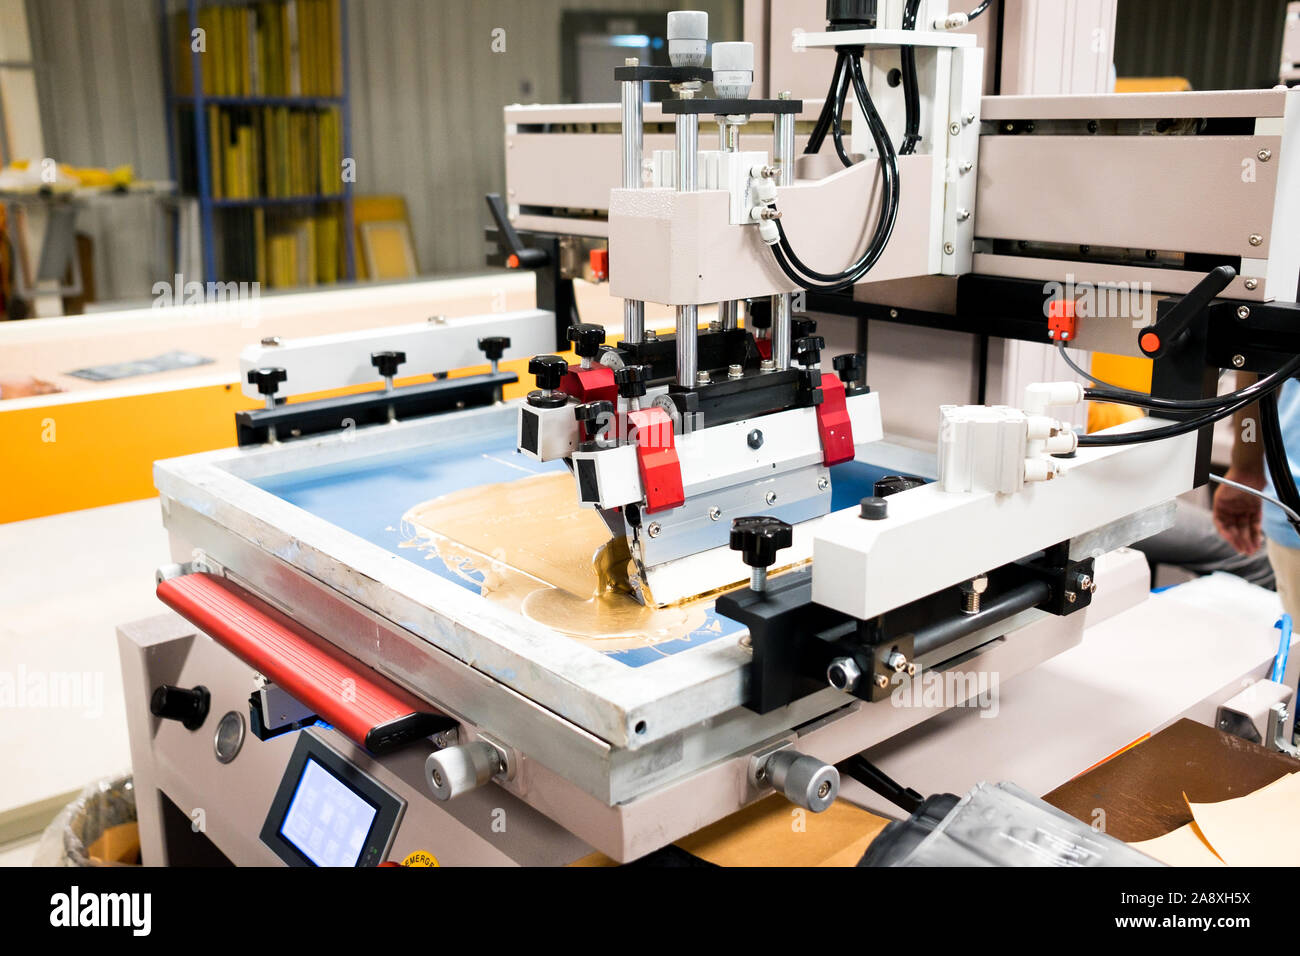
pixel 764 347
pixel 833 422
pixel 599 261
pixel 1061 321
pixel 595 384
pixel 368 708
pixel 656 458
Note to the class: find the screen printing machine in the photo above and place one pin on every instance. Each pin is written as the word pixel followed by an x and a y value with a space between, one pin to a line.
pixel 690 568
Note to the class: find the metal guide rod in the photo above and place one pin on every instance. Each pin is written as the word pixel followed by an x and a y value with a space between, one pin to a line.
pixel 729 135
pixel 688 137
pixel 633 132
pixel 783 157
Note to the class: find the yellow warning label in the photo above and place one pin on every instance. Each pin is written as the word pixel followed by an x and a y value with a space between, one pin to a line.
pixel 420 858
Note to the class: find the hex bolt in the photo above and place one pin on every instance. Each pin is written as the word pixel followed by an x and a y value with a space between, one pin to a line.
pixel 971 591
pixel 897 661
pixel 1084 582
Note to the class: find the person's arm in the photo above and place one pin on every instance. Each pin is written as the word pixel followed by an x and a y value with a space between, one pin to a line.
pixel 1237 514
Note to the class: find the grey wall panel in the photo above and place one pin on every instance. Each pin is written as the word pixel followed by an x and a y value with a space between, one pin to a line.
pixel 1217 44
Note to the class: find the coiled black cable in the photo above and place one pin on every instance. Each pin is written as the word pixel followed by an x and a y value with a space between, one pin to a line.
pixel 785 255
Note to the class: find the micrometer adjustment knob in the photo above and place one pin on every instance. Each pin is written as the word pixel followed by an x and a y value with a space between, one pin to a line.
pixel 268 380
pixel 759 538
pixel 455 770
pixel 549 370
pixel 494 346
pixel 631 380
pixel 587 339
pixel 387 362
pixel 806 781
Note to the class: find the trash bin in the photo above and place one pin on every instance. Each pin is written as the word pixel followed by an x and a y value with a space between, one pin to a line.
pixel 98 828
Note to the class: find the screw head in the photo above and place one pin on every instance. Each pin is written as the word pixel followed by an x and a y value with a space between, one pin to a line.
pixel 1265 155
pixel 271 341
pixel 1071 597
pixel 715 513
pixel 882 681
pixel 1238 361
pixel 1252 284
pixel 823 483
pixel 770 498
pixel 1256 239
pixel 1243 312
pixel 949 248
pixel 654 529
pixel 954 129
pixel 755 439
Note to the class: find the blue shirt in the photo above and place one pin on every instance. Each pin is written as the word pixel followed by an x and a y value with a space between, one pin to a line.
pixel 1276 526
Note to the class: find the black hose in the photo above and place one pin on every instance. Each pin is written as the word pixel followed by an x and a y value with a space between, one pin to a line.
pixel 1139 400
pixel 824 121
pixel 1167 431
pixel 837 117
pixel 911 93
pixel 1279 465
pixel 978 10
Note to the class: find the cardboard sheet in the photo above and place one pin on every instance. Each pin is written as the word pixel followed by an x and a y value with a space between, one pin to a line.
pixel 1260 829
pixel 1182 847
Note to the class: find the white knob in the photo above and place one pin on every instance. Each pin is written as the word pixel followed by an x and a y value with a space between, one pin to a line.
pixel 733 70
pixel 456 770
pixel 688 37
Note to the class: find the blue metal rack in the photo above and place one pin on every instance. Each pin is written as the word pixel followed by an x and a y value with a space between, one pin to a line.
pixel 200 101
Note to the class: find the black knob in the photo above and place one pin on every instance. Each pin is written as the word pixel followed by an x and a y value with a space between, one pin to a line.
pixel 850 366
pixel 874 509
pixel 851 14
pixel 549 370
pixel 267 380
pixel 387 362
pixel 802 328
pixel 893 484
pixel 760 313
pixel 591 413
pixel 631 380
pixel 758 539
pixel 494 346
pixel 808 349
pixel 189 706
pixel 587 339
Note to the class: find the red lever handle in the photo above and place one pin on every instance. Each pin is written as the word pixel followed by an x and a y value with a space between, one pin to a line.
pixel 364 705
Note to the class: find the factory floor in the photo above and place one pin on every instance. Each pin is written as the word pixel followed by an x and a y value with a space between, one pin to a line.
pixel 66 582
